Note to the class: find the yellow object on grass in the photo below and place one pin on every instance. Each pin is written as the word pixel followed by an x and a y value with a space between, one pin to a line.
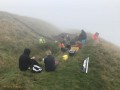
pixel 75 48
pixel 42 40
pixel 65 57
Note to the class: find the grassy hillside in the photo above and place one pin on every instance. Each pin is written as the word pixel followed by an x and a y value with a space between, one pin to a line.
pixel 103 72
pixel 13 27
pixel 17 32
pixel 39 26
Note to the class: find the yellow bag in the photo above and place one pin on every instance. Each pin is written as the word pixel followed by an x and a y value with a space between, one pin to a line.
pixel 74 48
pixel 65 57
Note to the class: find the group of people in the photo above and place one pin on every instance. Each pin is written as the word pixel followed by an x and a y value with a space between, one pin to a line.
pixel 25 62
pixel 66 44
pixel 83 37
pixel 72 48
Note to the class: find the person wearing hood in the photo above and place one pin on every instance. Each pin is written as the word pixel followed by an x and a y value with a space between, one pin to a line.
pixel 24 60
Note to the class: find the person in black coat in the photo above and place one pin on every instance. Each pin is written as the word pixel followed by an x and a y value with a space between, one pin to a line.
pixel 24 60
pixel 49 60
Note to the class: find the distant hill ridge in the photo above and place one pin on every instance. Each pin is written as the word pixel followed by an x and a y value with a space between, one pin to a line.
pixel 11 24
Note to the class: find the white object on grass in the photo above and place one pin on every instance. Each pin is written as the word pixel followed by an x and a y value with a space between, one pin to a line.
pixel 43 59
pixel 85 65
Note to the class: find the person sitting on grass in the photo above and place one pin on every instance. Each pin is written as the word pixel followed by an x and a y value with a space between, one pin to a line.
pixel 50 63
pixel 24 60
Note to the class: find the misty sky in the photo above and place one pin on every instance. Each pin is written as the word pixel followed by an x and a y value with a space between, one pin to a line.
pixel 102 16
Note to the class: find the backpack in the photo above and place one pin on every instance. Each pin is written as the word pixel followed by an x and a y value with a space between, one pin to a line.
pixel 71 53
pixel 36 69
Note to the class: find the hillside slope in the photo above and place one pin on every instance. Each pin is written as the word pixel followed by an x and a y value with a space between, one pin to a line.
pixel 103 74
pixel 13 26
pixel 17 33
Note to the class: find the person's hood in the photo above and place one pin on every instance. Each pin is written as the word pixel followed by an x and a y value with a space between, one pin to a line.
pixel 27 51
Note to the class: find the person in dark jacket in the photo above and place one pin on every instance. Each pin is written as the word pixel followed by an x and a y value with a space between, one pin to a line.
pixel 49 60
pixel 24 60
pixel 83 36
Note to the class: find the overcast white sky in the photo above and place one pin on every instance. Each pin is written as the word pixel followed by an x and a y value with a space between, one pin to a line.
pixel 102 16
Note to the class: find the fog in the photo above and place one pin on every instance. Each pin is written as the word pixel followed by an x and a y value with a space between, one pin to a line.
pixel 102 16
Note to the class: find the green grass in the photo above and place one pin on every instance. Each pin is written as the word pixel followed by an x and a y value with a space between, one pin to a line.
pixel 17 32
pixel 103 73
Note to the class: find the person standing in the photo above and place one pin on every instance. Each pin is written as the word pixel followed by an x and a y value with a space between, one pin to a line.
pixel 82 37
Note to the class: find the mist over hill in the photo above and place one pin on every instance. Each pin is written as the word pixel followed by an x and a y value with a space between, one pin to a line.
pixel 19 32
pixel 13 25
